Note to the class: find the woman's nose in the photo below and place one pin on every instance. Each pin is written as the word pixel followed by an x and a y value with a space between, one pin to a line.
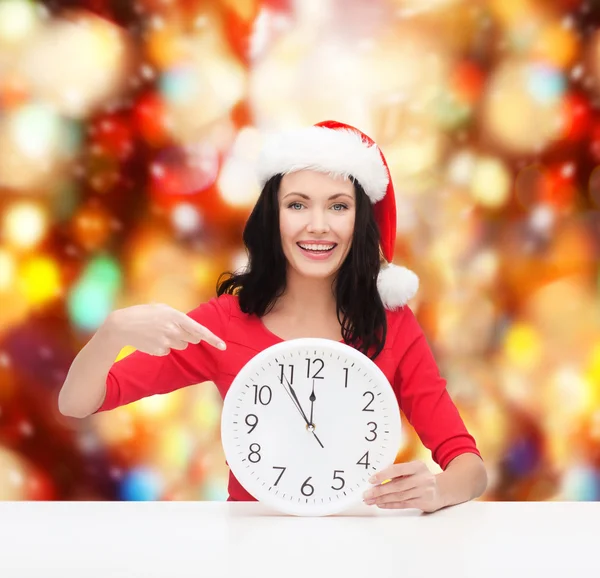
pixel 317 223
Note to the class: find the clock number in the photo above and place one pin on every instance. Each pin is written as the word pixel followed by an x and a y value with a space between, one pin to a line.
pixel 366 408
pixel 281 474
pixel 336 477
pixel 307 485
pixel 258 394
pixel 308 364
pixel 252 425
pixel 255 453
pixel 291 378
pixel 366 463
pixel 346 377
pixel 372 431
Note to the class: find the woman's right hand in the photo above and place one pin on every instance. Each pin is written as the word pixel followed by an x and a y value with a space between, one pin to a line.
pixel 157 328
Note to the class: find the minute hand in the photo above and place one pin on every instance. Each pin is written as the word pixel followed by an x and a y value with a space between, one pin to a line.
pixel 297 401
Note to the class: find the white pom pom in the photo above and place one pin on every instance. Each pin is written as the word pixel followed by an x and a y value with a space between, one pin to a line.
pixel 396 285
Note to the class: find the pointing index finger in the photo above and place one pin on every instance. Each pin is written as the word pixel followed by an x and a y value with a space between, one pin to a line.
pixel 195 328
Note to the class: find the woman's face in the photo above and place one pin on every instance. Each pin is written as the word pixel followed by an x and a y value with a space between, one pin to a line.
pixel 316 221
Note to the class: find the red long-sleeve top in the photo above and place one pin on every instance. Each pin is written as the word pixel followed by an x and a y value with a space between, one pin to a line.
pixel 406 361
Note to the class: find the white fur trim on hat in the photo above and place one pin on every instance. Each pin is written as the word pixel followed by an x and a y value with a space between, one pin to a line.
pixel 333 151
pixel 396 285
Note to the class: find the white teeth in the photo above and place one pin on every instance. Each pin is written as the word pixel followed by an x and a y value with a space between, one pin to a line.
pixel 312 247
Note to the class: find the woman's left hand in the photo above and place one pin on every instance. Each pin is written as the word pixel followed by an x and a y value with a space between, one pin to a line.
pixel 410 485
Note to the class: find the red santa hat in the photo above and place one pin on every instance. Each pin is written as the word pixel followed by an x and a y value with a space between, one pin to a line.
pixel 340 149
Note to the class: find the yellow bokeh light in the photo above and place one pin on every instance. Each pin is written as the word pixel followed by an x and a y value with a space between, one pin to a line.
pixel 557 45
pixel 40 280
pixel 24 224
pixel 491 182
pixel 173 448
pixel 522 346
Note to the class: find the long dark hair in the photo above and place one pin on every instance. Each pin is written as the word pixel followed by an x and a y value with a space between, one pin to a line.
pixel 360 310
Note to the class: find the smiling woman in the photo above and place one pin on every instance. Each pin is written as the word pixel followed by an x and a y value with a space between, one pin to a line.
pixel 320 242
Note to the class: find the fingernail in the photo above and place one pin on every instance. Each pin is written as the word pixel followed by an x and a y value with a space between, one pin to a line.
pixel 222 345
pixel 372 479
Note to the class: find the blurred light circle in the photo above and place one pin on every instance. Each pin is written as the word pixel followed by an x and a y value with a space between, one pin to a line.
pixel 36 130
pixel 149 115
pixel 25 224
pixel 186 219
pixel 184 170
pixel 18 20
pixel 180 84
pixel 40 280
pixel 461 167
pixel 416 150
pixel 35 143
pixel 94 57
pixel 91 226
pixel 576 113
pixel 173 449
pixel 581 482
pixel 13 476
pixel 92 297
pixel 542 218
pixel 141 484
pixel 522 346
pixel 557 45
pixel 105 270
pixel 545 83
pixel 491 182
pixel 523 107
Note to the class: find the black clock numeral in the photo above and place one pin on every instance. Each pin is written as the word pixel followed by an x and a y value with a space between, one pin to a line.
pixel 281 474
pixel 306 485
pixel 372 431
pixel 252 425
pixel 264 394
pixel 336 477
pixel 309 362
pixel 346 377
pixel 289 378
pixel 255 453
pixel 366 462
pixel 366 408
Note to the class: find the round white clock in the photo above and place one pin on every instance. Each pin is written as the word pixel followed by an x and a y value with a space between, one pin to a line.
pixel 306 423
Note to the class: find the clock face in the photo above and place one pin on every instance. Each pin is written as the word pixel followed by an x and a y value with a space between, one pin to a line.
pixel 306 423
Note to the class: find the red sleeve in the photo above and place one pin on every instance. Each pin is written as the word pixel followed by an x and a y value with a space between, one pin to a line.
pixel 424 399
pixel 141 375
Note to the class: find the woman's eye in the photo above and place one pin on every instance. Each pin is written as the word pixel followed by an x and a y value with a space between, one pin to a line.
pixel 295 206
pixel 339 206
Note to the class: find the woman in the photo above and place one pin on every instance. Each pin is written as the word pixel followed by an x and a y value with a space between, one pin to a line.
pixel 316 239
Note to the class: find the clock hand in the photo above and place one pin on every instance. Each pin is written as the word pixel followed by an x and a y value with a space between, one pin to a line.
pixel 312 399
pixel 297 404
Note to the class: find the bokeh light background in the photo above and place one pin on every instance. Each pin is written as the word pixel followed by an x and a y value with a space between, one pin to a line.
pixel 128 133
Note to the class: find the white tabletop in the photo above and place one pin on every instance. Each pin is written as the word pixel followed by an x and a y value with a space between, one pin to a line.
pixel 216 539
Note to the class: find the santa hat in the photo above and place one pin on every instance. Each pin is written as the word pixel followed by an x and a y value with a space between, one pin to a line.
pixel 340 149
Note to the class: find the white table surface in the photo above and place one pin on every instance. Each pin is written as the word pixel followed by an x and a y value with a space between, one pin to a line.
pixel 216 539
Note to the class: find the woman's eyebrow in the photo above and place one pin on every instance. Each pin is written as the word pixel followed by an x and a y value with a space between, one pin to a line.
pixel 305 196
